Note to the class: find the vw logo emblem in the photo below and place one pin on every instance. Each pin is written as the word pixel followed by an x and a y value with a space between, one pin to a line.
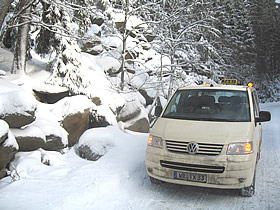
pixel 192 148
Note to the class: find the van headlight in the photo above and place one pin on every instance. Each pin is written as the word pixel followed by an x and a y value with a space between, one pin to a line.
pixel 240 148
pixel 155 141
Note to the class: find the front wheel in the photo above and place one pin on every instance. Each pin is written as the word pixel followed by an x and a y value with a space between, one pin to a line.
pixel 249 191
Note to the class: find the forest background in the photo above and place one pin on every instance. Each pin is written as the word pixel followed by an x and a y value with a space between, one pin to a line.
pixel 216 39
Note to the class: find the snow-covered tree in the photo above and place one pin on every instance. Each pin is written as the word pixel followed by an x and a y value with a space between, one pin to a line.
pixel 185 34
pixel 19 62
pixel 65 68
pixel 265 17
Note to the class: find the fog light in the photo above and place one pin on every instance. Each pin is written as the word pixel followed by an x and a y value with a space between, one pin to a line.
pixel 241 180
pixel 150 170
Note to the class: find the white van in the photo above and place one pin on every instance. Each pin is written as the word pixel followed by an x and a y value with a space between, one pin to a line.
pixel 208 136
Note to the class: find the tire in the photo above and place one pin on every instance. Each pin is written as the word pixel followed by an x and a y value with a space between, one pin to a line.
pixel 249 191
pixel 155 181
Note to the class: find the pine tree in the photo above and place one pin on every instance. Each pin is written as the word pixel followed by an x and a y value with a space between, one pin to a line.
pixel 65 67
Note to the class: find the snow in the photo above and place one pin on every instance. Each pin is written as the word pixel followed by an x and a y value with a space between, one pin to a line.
pixel 4 128
pixel 118 180
pixel 71 105
pixel 10 141
pixel 100 140
pixel 15 100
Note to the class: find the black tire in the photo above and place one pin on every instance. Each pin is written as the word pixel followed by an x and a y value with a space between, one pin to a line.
pixel 155 181
pixel 249 191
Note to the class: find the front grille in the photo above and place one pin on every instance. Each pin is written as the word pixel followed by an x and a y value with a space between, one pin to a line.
pixel 203 149
pixel 192 167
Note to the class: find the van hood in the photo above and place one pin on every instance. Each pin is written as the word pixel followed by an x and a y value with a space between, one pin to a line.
pixel 203 131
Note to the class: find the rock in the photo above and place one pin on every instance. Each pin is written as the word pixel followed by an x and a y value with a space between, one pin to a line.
pixel 96 120
pixel 7 153
pixel 50 97
pixel 142 125
pixel 130 110
pixel 76 124
pixel 86 153
pixel 73 116
pixel 150 37
pixel 8 147
pixel 54 143
pixel 3 138
pixel 29 143
pixel 97 101
pixel 146 46
pixel 132 54
pixel 139 123
pixel 93 47
pixel 149 99
pixel 3 131
pixel 96 142
pixel 55 137
pixel 30 138
pixel 17 106
pixel 98 21
pixel 18 120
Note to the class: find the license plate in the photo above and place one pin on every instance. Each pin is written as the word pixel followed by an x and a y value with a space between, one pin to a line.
pixel 193 177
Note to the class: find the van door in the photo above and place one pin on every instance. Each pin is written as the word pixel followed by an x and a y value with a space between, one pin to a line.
pixel 258 126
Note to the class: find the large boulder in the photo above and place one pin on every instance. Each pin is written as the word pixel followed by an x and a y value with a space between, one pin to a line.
pixel 55 136
pixel 8 147
pixel 130 110
pixel 73 114
pixel 45 134
pixel 139 123
pixel 133 116
pixel 96 142
pixel 17 107
pixel 50 97
pixel 76 124
pixel 30 138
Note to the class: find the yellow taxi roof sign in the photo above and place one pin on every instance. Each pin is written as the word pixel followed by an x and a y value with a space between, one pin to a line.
pixel 229 81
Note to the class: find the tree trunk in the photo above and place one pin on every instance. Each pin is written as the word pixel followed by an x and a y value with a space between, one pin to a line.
pixel 19 62
pixel 5 4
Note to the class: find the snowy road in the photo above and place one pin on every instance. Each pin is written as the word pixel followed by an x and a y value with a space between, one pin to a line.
pixel 119 181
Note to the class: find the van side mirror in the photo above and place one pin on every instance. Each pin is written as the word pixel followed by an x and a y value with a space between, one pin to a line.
pixel 264 116
pixel 158 111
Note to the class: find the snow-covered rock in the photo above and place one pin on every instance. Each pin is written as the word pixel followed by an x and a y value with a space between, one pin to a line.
pixel 140 123
pixel 8 147
pixel 17 107
pixel 73 114
pixel 96 142
pixel 29 139
pixel 50 97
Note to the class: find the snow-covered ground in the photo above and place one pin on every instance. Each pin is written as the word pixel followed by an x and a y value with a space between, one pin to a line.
pixel 118 180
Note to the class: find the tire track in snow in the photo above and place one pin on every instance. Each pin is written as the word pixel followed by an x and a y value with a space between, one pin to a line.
pixel 268 169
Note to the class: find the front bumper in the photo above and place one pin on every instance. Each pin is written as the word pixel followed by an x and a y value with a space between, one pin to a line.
pixel 238 170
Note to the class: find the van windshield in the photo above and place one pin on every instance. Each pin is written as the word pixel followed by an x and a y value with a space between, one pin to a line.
pixel 209 105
